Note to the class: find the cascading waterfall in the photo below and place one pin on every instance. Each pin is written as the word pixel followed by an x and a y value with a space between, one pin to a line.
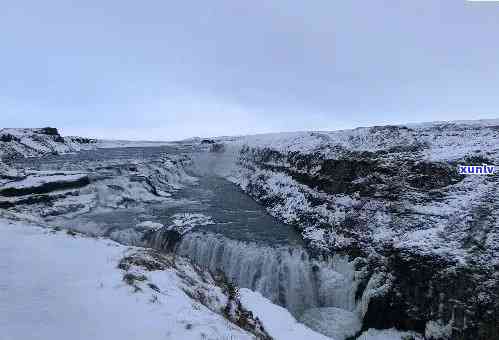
pixel 286 275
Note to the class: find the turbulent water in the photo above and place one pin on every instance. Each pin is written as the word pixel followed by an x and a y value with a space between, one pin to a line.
pixel 285 274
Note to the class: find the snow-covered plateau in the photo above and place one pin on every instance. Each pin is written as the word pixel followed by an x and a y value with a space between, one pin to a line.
pixel 364 234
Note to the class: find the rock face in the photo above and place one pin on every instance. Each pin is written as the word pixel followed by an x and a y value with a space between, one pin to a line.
pixel 392 196
pixel 15 143
pixel 8 173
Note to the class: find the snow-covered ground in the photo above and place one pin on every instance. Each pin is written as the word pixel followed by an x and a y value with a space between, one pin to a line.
pixel 280 323
pixel 440 140
pixel 58 285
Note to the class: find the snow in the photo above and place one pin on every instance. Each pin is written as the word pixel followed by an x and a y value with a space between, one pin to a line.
pixel 38 181
pixel 134 236
pixel 388 334
pixel 114 184
pixel 56 286
pixel 334 322
pixel 438 330
pixel 35 142
pixel 150 225
pixel 278 322
pixel 440 140
pixel 109 143
pixel 377 285
pixel 7 172
pixel 185 222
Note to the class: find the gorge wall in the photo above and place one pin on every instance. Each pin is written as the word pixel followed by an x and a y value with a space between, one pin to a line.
pixel 427 237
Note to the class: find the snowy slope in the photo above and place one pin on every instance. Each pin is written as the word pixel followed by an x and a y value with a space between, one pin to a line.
pixel 56 286
pixel 280 324
pixel 60 285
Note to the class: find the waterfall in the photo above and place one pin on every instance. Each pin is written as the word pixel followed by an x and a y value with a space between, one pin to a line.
pixel 286 275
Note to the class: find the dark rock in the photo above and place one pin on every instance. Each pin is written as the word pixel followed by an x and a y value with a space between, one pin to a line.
pixel 429 288
pixel 7 137
pixel 428 176
pixel 82 140
pixel 49 131
pixel 162 239
pixel 217 147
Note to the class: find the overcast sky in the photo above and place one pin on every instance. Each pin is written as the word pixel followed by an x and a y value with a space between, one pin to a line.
pixel 172 69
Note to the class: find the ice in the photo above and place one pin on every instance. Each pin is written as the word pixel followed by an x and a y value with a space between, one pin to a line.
pixel 149 225
pixel 334 322
pixel 388 334
pixel 185 222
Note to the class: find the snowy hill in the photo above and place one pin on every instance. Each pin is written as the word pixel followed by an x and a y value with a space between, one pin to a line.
pixel 37 142
pixel 85 288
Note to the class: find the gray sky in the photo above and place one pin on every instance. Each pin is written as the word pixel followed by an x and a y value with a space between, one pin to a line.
pixel 172 69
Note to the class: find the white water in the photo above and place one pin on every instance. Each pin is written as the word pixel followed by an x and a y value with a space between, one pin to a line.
pixel 285 275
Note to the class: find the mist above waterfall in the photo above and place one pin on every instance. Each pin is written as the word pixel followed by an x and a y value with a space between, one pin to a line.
pixel 219 163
